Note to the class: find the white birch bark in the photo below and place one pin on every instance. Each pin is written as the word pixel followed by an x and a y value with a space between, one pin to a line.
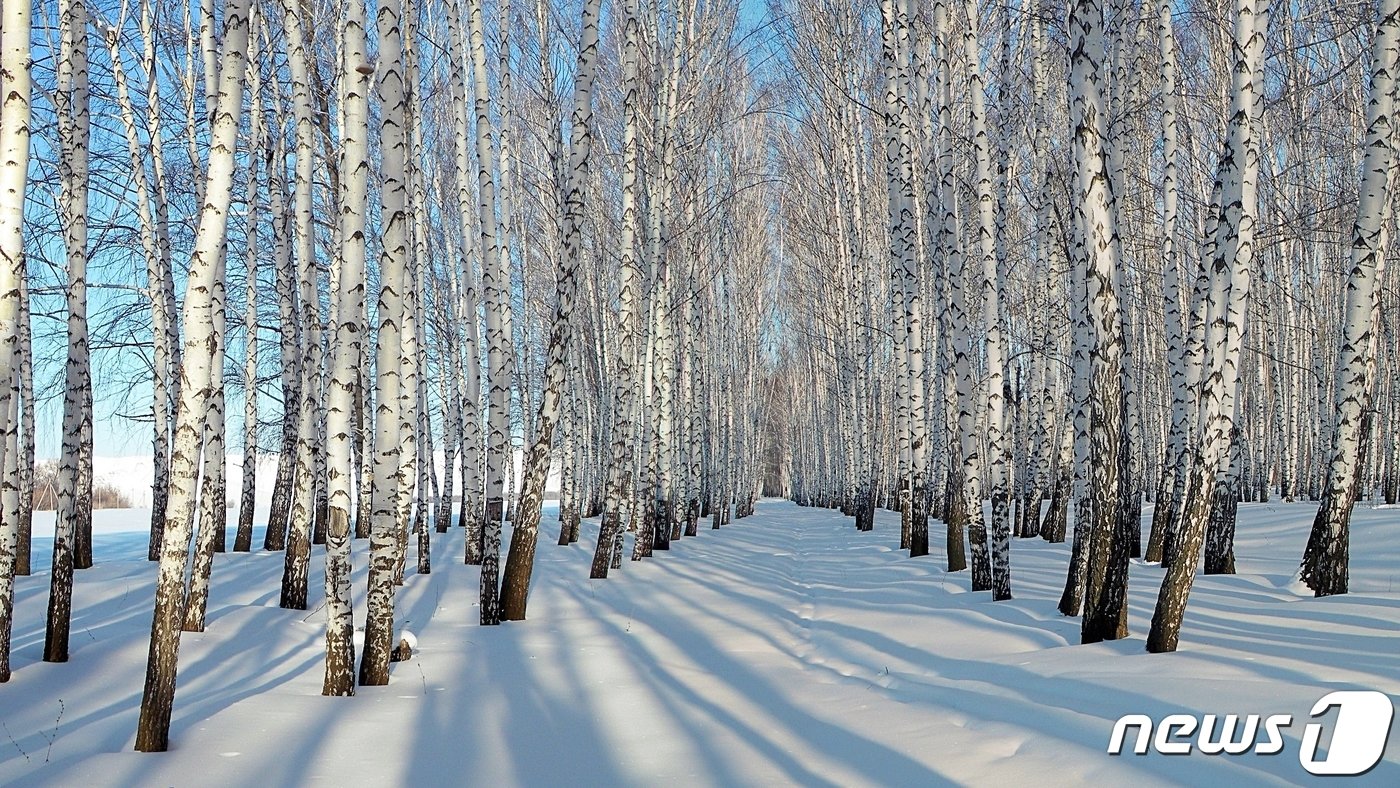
pixel 71 105
pixel 1097 218
pixel 153 728
pixel 243 537
pixel 999 529
pixel 495 284
pixel 621 465
pixel 289 338
pixel 1231 261
pixel 393 260
pixel 1163 511
pixel 520 561
pixel 1326 560
pixel 472 435
pixel 347 342
pixel 298 548
pixel 25 460
pixel 213 510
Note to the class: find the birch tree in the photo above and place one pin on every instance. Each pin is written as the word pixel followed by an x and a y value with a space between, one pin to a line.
pixel 298 546
pixel 15 65
pixel 393 262
pixel 625 395
pixel 153 727
pixel 1326 559
pixel 495 283
pixel 1105 602
pixel 1233 252
pixel 520 561
pixel 999 536
pixel 73 130
pixel 346 342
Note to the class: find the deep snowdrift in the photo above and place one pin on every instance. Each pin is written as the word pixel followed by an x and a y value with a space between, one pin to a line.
pixel 784 649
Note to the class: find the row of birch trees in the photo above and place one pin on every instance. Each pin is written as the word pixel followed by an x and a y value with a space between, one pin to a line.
pixel 1052 262
pixel 427 254
pixel 1017 267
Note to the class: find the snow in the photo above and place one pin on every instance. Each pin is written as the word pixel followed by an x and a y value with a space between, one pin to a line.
pixel 786 648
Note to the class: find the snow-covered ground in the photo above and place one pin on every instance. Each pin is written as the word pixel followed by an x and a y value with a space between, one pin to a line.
pixel 784 649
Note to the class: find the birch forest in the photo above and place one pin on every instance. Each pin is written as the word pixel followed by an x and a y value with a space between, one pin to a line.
pixel 479 283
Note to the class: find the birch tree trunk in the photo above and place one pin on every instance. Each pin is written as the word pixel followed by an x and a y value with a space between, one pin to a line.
pixel 1231 260
pixel 420 475
pixel 153 728
pixel 25 460
pixel 999 535
pixel 160 279
pixel 1325 560
pixel 290 341
pixel 520 561
pixel 964 515
pixel 1095 203
pixel 15 66
pixel 495 284
pixel 71 104
pixel 1163 512
pixel 347 342
pixel 213 511
pixel 247 501
pixel 620 468
pixel 298 548
pixel 472 437
pixel 393 261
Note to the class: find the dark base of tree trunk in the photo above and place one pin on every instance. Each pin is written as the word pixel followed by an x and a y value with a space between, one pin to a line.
pixel 1131 526
pixel 1326 564
pixel 490 590
pixel 1073 596
pixel 956 523
pixel 363 525
pixel 243 537
pixel 1220 534
pixel 1109 618
pixel 276 536
pixel 82 535
pixel 864 509
pixel 981 559
pixel 1161 516
pixel 159 497
pixel 294 587
pixel 663 516
pixel 520 561
pixel 318 528
pixel 60 605
pixel 692 517
pixel 564 522
pixel 918 527
pixel 906 516
pixel 1053 527
pixel 1028 515
pixel 24 547
pixel 607 535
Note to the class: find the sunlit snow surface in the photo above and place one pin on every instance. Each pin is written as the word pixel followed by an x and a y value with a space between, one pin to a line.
pixel 785 648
